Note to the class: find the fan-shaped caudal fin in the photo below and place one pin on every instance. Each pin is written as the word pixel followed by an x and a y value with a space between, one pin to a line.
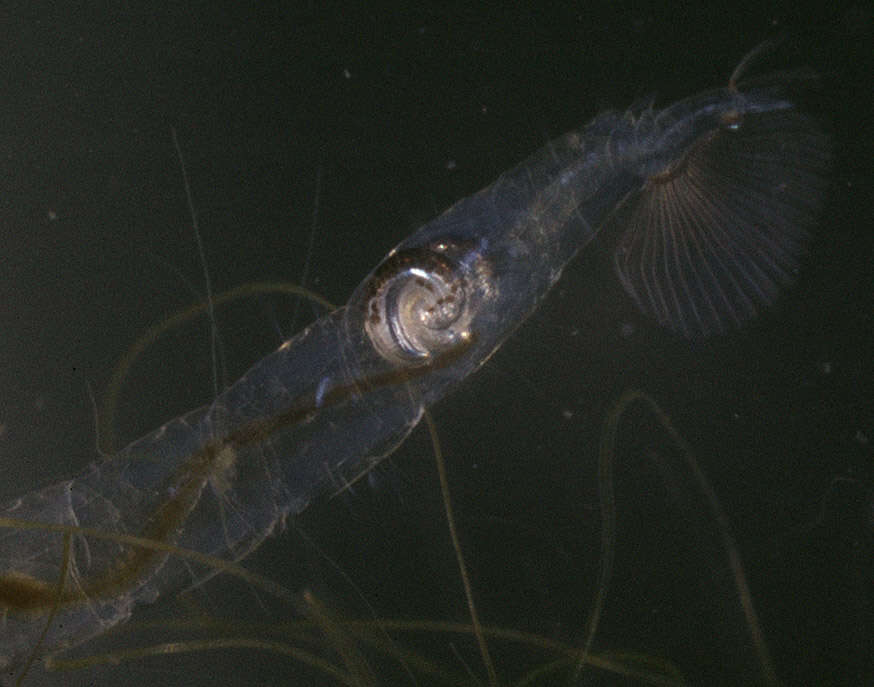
pixel 710 240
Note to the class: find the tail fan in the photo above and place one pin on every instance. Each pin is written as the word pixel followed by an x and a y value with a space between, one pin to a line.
pixel 711 241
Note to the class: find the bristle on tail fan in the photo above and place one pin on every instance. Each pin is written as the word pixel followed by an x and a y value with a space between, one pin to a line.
pixel 711 240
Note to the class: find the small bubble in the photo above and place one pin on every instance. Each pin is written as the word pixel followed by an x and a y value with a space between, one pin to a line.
pixel 861 438
pixel 825 367
pixel 627 329
pixel 567 413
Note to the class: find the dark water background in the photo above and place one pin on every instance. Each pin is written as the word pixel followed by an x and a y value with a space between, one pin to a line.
pixel 379 117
